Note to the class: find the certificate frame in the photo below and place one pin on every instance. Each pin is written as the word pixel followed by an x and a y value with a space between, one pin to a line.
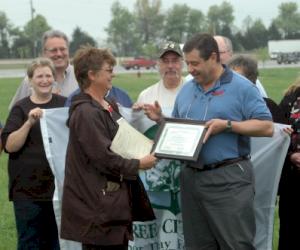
pixel 180 139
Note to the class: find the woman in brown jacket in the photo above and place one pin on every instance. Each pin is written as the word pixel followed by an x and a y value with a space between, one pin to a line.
pixel 100 186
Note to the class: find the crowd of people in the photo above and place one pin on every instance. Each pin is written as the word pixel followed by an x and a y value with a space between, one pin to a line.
pixel 103 194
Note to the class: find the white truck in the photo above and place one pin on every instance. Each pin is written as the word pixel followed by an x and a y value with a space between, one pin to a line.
pixel 284 51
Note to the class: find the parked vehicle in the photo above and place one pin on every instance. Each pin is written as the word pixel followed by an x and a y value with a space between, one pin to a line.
pixel 138 63
pixel 279 47
pixel 288 58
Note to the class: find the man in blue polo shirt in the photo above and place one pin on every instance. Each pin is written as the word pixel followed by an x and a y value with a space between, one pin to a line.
pixel 218 189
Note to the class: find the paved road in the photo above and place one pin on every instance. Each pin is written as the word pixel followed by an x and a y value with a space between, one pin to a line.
pixel 9 73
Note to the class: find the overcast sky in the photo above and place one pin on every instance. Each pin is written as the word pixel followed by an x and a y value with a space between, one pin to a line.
pixel 93 16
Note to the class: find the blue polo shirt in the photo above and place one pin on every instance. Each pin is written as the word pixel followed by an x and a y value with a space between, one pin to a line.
pixel 234 98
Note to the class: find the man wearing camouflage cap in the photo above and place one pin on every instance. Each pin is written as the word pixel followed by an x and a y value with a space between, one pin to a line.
pixel 170 64
pixel 160 183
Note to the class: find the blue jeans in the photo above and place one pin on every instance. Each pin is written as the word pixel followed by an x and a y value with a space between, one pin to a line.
pixel 36 225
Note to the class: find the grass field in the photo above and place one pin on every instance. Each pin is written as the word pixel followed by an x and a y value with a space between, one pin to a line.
pixel 274 80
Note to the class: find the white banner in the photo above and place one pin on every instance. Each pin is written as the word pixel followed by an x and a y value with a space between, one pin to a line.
pixel 163 186
pixel 55 135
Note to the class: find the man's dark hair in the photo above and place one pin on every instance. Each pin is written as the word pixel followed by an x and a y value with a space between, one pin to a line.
pixel 204 43
pixel 247 64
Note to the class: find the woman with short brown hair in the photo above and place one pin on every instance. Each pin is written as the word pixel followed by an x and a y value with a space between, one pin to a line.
pixel 98 204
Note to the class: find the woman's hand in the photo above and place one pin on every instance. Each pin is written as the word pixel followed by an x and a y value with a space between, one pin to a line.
pixel 34 115
pixel 137 106
pixel 16 139
pixel 147 162
pixel 288 130
pixel 295 159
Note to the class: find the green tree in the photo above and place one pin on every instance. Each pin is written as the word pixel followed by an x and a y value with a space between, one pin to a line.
pixel 22 47
pixel 288 20
pixel 262 54
pixel 34 30
pixel 150 50
pixel 256 35
pixel 4 35
pixel 164 177
pixel 80 38
pixel 122 31
pixel 220 18
pixel 182 22
pixel 196 22
pixel 273 32
pixel 149 20
pixel 176 23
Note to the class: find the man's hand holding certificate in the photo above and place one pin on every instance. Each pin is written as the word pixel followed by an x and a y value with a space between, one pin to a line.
pixel 179 139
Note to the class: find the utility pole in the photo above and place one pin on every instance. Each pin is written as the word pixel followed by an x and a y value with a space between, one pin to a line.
pixel 33 38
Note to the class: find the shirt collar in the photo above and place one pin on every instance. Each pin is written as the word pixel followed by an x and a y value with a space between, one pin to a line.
pixel 68 70
pixel 226 77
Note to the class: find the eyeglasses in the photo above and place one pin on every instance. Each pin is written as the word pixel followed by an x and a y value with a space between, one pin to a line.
pixel 55 50
pixel 170 61
pixel 223 52
pixel 111 71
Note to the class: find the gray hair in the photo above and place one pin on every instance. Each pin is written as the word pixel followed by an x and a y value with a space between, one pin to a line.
pixel 247 64
pixel 51 34
pixel 40 62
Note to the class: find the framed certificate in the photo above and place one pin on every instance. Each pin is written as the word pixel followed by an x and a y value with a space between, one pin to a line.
pixel 179 139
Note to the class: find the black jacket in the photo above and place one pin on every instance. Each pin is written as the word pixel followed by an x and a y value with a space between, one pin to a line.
pixel 92 214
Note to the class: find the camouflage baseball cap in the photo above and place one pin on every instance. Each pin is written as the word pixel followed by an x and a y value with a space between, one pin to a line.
pixel 170 46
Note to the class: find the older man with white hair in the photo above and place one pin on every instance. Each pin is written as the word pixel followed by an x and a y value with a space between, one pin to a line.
pixel 226 53
pixel 170 64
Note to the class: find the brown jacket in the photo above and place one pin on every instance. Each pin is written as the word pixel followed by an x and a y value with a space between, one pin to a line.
pixel 92 214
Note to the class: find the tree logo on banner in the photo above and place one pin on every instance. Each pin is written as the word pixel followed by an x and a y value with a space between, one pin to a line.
pixel 164 178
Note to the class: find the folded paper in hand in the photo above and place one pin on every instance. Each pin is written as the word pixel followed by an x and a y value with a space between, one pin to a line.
pixel 130 143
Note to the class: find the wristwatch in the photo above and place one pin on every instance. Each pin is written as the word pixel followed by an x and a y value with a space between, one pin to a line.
pixel 228 126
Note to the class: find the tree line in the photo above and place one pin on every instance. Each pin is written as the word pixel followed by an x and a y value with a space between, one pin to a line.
pixel 140 31
pixel 26 42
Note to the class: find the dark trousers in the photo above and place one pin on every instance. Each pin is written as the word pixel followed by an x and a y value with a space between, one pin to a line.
pixel 36 225
pixel 217 207
pixel 289 213
pixel 94 247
